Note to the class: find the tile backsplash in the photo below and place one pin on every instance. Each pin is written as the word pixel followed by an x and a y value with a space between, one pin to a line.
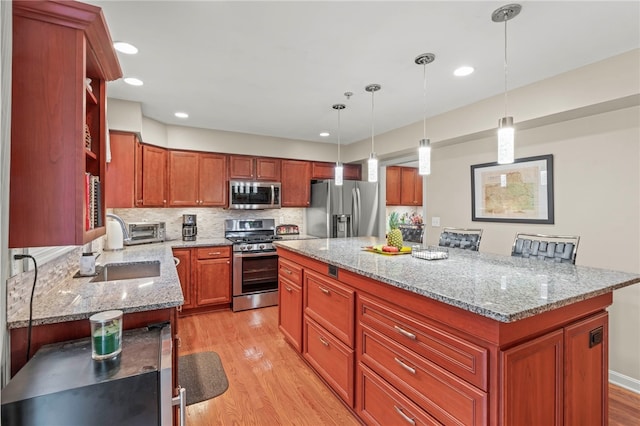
pixel 210 221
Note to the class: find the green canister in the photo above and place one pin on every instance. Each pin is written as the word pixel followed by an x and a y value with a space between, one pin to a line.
pixel 106 334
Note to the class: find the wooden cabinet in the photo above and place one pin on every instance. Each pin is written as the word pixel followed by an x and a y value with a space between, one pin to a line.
pixel 534 395
pixel 325 170
pixel 151 177
pixel 212 277
pixel 205 277
pixel 411 187
pixel 394 187
pixel 184 275
pixel 120 175
pixel 404 186
pixel 296 185
pixel 197 179
pixel 290 302
pixel 56 46
pixel 254 168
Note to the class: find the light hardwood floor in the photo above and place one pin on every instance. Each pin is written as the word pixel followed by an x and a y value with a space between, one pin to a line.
pixel 269 384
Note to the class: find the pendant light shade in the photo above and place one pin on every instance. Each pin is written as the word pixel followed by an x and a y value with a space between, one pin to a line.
pixel 506 133
pixel 338 171
pixel 424 149
pixel 424 157
pixel 372 163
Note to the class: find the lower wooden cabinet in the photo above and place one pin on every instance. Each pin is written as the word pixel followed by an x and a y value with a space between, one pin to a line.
pixel 331 358
pixel 381 404
pixel 290 302
pixel 205 277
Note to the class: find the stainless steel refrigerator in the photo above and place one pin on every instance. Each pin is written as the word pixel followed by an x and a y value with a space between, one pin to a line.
pixel 350 210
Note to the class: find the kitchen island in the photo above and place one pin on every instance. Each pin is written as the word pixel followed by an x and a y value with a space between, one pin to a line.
pixel 473 339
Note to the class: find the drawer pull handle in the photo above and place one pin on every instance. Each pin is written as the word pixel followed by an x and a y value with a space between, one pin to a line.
pixel 324 342
pixel 405 366
pixel 405 332
pixel 215 253
pixel 287 271
pixel 404 416
pixel 289 289
pixel 324 290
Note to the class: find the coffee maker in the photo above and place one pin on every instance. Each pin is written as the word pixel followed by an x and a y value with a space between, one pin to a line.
pixel 189 228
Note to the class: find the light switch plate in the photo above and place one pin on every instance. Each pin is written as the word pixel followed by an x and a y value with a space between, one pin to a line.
pixel 435 221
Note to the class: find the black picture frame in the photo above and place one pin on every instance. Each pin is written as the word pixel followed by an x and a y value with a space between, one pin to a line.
pixel 521 192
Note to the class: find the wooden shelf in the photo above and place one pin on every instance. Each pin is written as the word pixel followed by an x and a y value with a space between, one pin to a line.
pixel 91 98
pixel 90 154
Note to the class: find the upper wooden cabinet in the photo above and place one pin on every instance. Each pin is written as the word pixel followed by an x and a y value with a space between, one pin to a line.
pixel 411 187
pixel 56 47
pixel 254 168
pixel 151 176
pixel 296 188
pixel 324 170
pixel 197 179
pixel 120 176
pixel 404 186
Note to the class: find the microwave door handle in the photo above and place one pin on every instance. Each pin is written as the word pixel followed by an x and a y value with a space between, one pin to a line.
pixel 273 195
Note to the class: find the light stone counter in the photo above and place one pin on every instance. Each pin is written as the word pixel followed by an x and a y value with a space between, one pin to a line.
pixel 77 298
pixel 502 288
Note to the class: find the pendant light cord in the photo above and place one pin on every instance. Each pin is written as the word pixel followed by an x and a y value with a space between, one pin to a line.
pixel 372 120
pixel 505 64
pixel 424 87
pixel 339 135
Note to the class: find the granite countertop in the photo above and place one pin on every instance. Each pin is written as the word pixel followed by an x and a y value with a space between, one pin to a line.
pixel 77 298
pixel 499 287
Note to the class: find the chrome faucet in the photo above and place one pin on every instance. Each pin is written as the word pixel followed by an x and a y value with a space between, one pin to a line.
pixel 125 232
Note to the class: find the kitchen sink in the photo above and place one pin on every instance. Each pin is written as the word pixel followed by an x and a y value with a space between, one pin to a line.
pixel 127 271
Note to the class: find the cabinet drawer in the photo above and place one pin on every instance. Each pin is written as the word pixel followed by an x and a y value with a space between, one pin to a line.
pixel 332 359
pixel 381 404
pixel 447 398
pixel 290 271
pixel 331 304
pixel 213 252
pixel 462 358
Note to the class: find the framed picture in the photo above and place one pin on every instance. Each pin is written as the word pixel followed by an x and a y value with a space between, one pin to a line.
pixel 521 192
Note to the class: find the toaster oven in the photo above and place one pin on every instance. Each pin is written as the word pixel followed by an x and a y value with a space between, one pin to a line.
pixel 145 232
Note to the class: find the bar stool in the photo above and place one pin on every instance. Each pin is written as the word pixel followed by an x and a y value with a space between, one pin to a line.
pixel 464 238
pixel 556 248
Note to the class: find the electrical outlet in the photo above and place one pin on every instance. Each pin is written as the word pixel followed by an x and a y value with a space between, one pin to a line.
pixel 435 221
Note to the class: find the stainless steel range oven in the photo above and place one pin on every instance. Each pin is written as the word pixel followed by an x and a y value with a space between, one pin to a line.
pixel 255 263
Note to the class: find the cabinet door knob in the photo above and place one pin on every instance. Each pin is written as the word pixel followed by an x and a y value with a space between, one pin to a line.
pixel 289 289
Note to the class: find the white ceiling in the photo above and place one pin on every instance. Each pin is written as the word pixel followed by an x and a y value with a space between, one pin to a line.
pixel 276 67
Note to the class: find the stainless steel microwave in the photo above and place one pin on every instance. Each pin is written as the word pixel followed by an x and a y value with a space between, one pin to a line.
pixel 254 195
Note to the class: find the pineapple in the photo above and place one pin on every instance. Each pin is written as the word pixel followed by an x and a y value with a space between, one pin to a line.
pixel 394 237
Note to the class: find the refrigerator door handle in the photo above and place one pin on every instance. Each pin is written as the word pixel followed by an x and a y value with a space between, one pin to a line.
pixel 356 212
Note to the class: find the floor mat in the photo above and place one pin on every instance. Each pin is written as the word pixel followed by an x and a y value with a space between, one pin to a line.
pixel 202 375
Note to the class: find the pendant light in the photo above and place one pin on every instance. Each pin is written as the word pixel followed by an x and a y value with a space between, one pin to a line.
pixel 373 161
pixel 339 169
pixel 505 124
pixel 424 150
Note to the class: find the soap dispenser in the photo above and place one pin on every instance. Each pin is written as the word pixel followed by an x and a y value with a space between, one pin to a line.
pixel 88 264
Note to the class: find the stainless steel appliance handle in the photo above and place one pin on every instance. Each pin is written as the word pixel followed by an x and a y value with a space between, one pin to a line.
pixel 356 212
pixel 273 195
pixel 181 400
pixel 256 254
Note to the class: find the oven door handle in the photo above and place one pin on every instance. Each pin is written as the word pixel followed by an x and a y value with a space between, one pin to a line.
pixel 256 254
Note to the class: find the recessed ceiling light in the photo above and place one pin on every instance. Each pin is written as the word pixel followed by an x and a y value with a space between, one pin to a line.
pixel 124 47
pixel 325 134
pixel 181 115
pixel 133 81
pixel 463 71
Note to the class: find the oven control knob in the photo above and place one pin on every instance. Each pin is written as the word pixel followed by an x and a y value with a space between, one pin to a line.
pixel 244 247
pixel 262 246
